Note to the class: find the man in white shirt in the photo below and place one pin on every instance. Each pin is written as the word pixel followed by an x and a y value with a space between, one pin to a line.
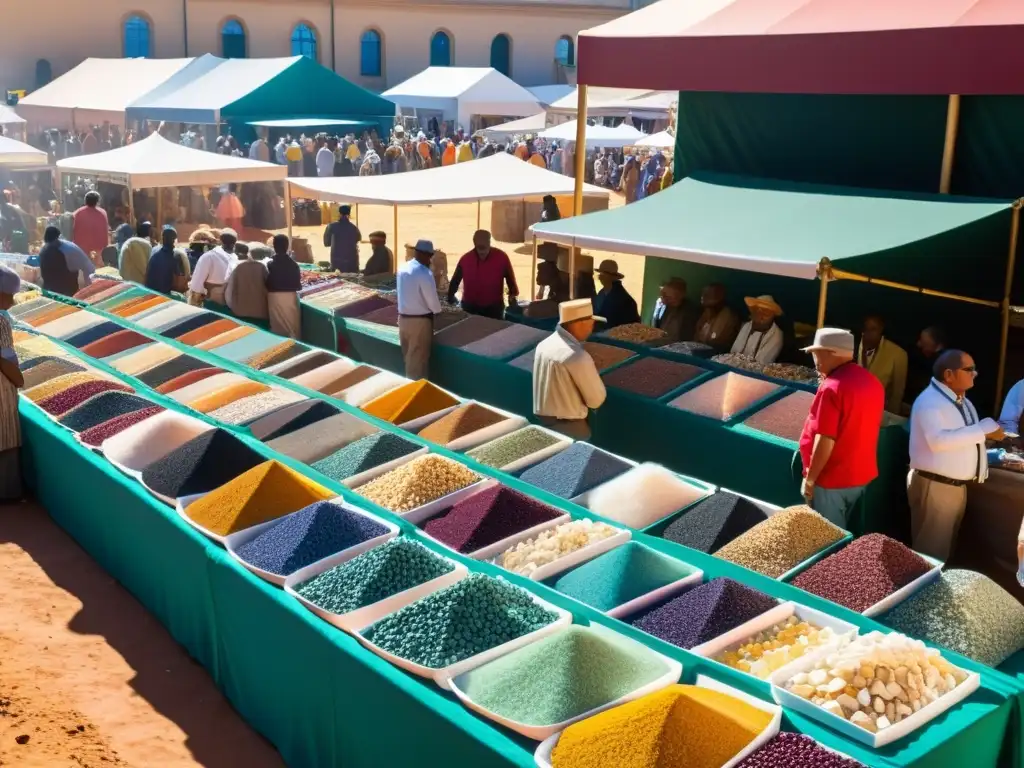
pixel 566 384
pixel 417 305
pixel 210 278
pixel 324 158
pixel 947 452
pixel 760 337
pixel 1013 408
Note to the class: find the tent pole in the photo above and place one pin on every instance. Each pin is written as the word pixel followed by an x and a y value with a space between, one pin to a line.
pixel 838 274
pixel 533 270
pixel 131 203
pixel 1004 334
pixel 478 205
pixel 159 210
pixel 824 270
pixel 949 149
pixel 288 207
pixel 394 251
pixel 580 164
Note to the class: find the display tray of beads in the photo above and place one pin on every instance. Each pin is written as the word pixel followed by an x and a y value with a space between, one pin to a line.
pixel 559 443
pixel 672 672
pixel 897 597
pixel 783 614
pixel 509 424
pixel 234 541
pixel 426 511
pixel 362 617
pixel 542 757
pixel 867 699
pixel 572 558
pixel 443 675
pixel 373 473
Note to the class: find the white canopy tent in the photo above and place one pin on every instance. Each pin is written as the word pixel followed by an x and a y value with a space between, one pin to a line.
pixel 618 102
pixel 11 119
pixel 659 140
pixel 156 162
pixel 458 93
pixel 549 94
pixel 96 91
pixel 597 135
pixel 17 154
pixel 532 124
pixel 498 177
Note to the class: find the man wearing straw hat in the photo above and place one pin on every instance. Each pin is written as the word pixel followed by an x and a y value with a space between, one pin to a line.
pixel 613 301
pixel 760 337
pixel 566 384
pixel 839 442
pixel 417 305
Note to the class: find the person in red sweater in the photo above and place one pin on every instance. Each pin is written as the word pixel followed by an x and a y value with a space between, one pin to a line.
pixel 92 230
pixel 839 443
pixel 483 272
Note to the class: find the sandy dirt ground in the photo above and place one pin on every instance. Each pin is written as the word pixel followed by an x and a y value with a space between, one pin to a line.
pixel 89 679
pixel 451 228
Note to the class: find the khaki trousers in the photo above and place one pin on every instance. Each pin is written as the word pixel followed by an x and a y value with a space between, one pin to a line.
pixel 936 510
pixel 285 314
pixel 416 334
pixel 577 429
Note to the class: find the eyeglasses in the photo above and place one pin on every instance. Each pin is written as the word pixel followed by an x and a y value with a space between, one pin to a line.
pixel 970 368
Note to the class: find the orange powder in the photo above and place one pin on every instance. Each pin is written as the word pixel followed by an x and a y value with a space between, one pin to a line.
pixel 53 314
pixel 226 338
pixel 199 335
pixel 410 401
pixel 221 397
pixel 133 307
pixel 179 382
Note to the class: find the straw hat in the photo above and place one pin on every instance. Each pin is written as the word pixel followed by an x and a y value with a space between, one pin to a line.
pixel 577 309
pixel 833 340
pixel 763 302
pixel 610 267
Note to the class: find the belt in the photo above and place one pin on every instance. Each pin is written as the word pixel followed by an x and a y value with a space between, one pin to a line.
pixel 943 479
pixel 429 316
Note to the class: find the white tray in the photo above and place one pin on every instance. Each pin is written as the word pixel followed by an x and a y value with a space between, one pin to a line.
pixel 538 456
pixel 673 671
pixel 542 757
pixel 581 555
pixel 584 498
pixel 363 617
pixel 657 595
pixel 741 634
pixel 114 447
pixel 912 588
pixel 362 478
pixel 182 504
pixel 443 675
pixel 894 732
pixel 493 550
pixel 235 540
pixel 428 510
pixel 510 423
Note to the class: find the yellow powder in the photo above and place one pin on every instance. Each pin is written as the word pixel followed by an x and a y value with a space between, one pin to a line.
pixel 226 338
pixel 59 384
pixel 410 401
pixel 266 492
pixel 221 397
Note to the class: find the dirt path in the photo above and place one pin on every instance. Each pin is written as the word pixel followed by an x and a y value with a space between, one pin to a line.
pixel 88 679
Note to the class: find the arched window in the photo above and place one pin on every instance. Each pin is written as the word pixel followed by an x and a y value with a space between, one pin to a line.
pixel 136 38
pixel 304 41
pixel 44 73
pixel 232 40
pixel 370 54
pixel 565 52
pixel 440 50
pixel 501 54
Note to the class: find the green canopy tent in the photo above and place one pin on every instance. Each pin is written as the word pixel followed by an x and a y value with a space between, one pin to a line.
pixel 950 245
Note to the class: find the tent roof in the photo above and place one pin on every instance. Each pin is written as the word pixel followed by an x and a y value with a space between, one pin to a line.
pixel 307 122
pixel 96 90
pixel 606 102
pixel 773 227
pixel 531 124
pixel 499 177
pixel 622 135
pixel 9 117
pixel 811 46
pixel 211 89
pixel 549 94
pixel 488 89
pixel 19 153
pixel 660 140
pixel 157 162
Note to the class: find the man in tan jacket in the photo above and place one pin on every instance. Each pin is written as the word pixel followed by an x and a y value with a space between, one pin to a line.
pixel 566 384
pixel 885 360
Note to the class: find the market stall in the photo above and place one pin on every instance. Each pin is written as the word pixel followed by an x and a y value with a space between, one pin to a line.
pixel 525 125
pixel 12 124
pixel 460 95
pixel 96 91
pixel 622 135
pixel 17 154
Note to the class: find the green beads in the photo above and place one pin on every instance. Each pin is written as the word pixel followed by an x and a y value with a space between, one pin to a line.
pixel 471 616
pixel 394 567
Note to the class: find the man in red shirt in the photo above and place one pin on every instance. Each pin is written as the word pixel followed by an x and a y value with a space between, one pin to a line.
pixel 484 269
pixel 839 443
pixel 92 230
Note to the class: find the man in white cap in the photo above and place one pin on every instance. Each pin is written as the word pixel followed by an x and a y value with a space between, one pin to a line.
pixel 760 337
pixel 566 384
pixel 613 301
pixel 210 278
pixel 947 453
pixel 839 442
pixel 417 305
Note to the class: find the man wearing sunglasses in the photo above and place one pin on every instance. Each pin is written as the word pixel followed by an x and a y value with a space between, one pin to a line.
pixel 947 452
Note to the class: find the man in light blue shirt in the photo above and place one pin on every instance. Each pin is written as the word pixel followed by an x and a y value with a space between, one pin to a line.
pixel 78 261
pixel 324 159
pixel 417 305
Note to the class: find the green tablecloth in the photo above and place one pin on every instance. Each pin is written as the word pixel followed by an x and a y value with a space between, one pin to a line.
pixel 323 700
